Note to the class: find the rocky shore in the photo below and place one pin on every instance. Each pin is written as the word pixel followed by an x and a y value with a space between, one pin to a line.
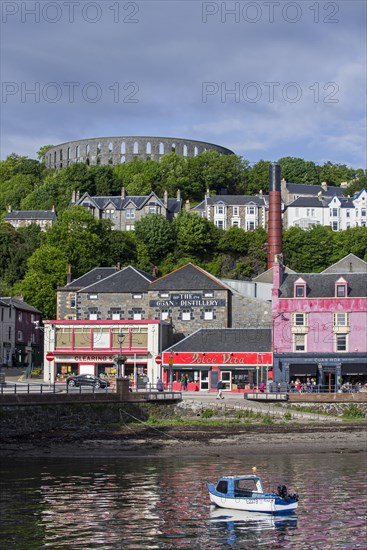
pixel 197 441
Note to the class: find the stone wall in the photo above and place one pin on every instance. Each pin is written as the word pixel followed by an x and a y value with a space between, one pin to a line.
pixel 117 150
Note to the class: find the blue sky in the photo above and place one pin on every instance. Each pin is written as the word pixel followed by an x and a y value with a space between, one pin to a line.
pixel 265 79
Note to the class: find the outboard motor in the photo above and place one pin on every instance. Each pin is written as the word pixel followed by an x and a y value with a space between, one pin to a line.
pixel 283 492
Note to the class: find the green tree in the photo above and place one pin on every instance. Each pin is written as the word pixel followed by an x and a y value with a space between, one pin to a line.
pixel 196 236
pixel 297 170
pixel 80 238
pixel 157 234
pixel 42 152
pixel 47 269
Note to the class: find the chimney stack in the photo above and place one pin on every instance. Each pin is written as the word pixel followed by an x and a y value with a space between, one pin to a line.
pixel 178 195
pixel 275 214
pixel 165 198
pixel 123 193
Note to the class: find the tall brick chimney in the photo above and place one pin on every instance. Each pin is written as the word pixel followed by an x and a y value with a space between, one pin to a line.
pixel 275 214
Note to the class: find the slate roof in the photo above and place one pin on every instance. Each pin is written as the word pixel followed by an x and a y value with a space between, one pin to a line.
pixel 313 202
pixel 236 200
pixel 314 189
pixel 267 276
pixel 226 340
pixel 188 278
pixel 91 277
pixel 348 264
pixel 128 279
pixel 31 215
pixel 322 285
pixel 19 304
pixel 120 203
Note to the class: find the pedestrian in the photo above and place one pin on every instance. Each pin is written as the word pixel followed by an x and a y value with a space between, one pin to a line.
pixel 262 387
pixel 160 385
pixel 182 382
pixel 220 390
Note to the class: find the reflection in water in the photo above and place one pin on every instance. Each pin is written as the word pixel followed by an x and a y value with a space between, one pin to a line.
pixel 164 503
pixel 234 522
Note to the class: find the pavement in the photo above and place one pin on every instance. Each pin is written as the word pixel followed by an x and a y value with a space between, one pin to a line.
pixel 231 401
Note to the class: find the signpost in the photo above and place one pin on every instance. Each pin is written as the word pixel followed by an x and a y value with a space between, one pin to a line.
pixel 170 362
pixel 50 357
pixel 158 360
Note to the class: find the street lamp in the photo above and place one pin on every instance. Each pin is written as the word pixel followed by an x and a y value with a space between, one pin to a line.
pixel 170 362
pixel 120 336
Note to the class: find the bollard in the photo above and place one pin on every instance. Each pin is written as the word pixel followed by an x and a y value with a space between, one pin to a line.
pixel 122 388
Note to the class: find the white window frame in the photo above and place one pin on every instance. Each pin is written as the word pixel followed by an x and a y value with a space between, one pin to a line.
pixel 208 314
pixel 93 316
pixel 137 316
pixel 299 342
pixel 137 296
pixel 186 315
pixel 251 210
pixel 236 211
pixel 341 319
pixel 341 342
pixel 299 319
pixel 92 296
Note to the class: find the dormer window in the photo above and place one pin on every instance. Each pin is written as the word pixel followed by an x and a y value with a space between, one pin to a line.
pixel 341 290
pixel 300 291
pixel 300 288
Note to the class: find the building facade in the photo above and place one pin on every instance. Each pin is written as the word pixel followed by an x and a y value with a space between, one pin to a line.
pixel 319 325
pixel 124 211
pixel 240 358
pixel 95 347
pixel 225 211
pixel 338 212
pixel 20 339
pixel 22 218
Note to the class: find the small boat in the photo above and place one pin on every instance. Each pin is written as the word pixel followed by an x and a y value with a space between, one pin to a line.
pixel 246 493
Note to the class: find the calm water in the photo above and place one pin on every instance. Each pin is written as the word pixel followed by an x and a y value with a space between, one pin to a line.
pixel 151 503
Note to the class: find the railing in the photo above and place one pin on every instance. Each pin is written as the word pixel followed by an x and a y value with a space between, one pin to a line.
pixel 14 388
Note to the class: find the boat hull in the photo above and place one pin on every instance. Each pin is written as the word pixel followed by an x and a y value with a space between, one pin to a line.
pixel 270 504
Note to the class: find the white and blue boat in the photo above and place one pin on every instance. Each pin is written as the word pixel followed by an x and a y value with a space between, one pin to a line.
pixel 247 493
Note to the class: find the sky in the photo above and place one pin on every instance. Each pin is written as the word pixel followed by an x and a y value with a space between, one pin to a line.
pixel 266 79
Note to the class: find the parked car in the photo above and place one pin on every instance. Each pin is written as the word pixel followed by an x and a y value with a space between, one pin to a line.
pixel 86 380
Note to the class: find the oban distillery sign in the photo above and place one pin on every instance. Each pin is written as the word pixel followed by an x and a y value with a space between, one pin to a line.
pixel 187 300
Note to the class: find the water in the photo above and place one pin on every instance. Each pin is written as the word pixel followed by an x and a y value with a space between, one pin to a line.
pixel 163 504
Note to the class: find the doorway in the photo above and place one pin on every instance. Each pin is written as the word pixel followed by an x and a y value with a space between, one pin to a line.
pixel 227 380
pixel 204 380
pixel 329 382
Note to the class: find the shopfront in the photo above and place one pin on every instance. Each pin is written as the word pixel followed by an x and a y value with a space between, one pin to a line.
pixel 103 349
pixel 329 371
pixel 239 371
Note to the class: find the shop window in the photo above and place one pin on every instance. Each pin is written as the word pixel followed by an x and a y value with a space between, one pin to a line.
pixel 139 338
pixel 63 337
pixel 101 338
pixel 82 337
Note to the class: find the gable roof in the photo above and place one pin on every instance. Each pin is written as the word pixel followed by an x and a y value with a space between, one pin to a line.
pixel 267 276
pixel 31 215
pixel 90 278
pixel 19 304
pixel 226 340
pixel 129 279
pixel 188 277
pixel 307 189
pixel 120 203
pixel 348 264
pixel 322 285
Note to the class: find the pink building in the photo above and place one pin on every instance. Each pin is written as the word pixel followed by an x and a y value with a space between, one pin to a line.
pixel 320 324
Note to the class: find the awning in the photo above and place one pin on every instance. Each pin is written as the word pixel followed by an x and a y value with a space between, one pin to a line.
pixel 303 369
pixel 356 368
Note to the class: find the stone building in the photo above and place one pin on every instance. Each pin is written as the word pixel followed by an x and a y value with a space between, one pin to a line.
pixel 21 218
pixel 124 211
pixel 225 211
pixel 121 149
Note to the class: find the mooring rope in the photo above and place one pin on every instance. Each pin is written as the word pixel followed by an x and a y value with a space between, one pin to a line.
pixel 147 425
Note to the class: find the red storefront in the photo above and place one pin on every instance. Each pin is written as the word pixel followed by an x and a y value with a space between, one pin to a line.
pixel 239 371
